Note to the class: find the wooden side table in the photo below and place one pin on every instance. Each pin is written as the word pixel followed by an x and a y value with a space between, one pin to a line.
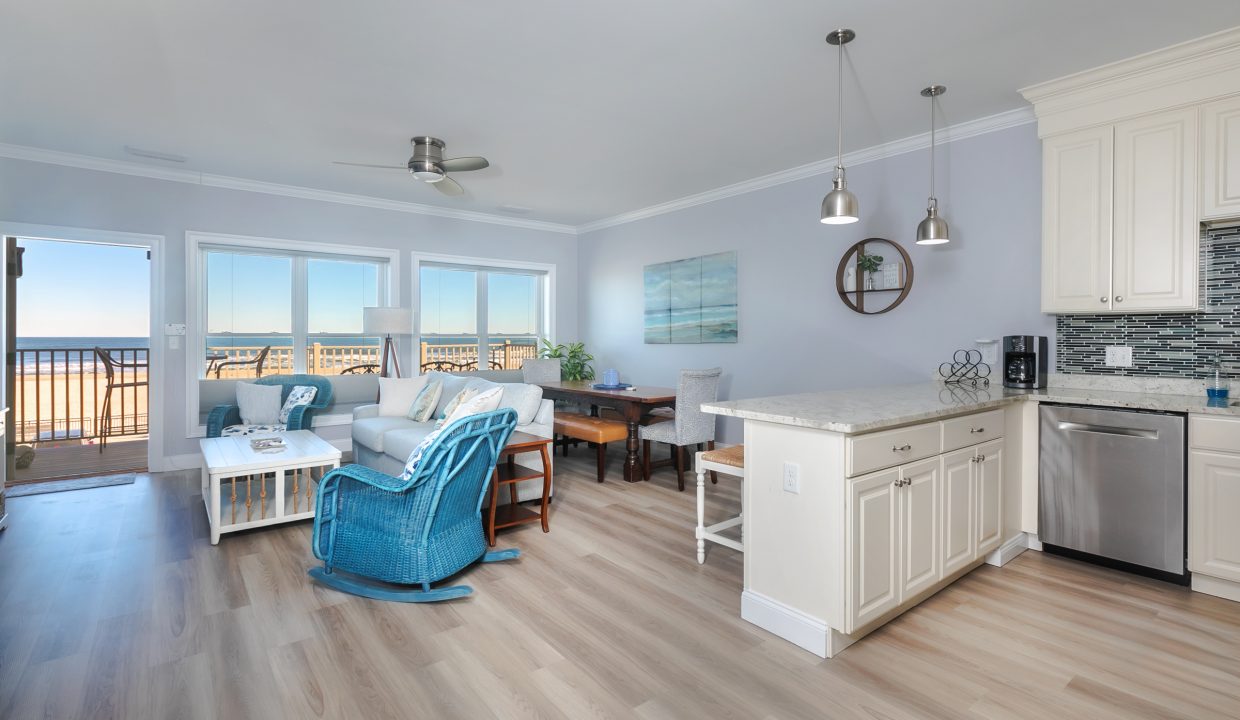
pixel 508 472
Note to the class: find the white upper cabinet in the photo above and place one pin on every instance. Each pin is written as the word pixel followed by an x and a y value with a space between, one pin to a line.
pixel 1220 160
pixel 1076 221
pixel 1154 255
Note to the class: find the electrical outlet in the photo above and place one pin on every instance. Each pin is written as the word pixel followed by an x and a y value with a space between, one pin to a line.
pixel 792 478
pixel 1119 356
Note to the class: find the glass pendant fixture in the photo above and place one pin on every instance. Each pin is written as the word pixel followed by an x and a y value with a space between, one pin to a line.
pixel 932 230
pixel 840 206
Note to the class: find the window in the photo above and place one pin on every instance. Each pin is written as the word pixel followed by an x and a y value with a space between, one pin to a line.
pixel 272 310
pixel 469 311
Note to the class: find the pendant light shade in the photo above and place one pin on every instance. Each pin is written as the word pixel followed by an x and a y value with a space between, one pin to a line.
pixel 840 206
pixel 932 230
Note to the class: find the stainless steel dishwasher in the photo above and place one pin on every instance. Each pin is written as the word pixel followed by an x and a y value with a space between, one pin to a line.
pixel 1112 489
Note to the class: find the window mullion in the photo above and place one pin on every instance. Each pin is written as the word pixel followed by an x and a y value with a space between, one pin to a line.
pixel 301 313
pixel 484 349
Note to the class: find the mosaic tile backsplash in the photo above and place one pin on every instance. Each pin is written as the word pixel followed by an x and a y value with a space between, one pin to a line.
pixel 1165 344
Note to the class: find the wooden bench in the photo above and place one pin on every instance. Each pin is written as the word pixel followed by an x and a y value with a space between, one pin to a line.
pixel 596 430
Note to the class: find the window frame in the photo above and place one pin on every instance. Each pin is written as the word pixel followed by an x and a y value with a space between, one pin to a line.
pixel 197 244
pixel 484 265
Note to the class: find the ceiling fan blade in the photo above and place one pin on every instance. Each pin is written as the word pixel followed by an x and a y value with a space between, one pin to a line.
pixel 464 164
pixel 448 186
pixel 368 165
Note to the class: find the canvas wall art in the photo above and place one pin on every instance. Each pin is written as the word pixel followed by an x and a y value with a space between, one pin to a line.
pixel 692 300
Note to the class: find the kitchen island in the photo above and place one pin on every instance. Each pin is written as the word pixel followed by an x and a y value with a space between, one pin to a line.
pixel 859 504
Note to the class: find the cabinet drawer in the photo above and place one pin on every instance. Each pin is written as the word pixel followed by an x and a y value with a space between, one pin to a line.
pixel 891 447
pixel 972 429
pixel 1214 433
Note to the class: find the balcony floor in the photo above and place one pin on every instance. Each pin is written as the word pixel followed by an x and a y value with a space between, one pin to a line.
pixel 69 461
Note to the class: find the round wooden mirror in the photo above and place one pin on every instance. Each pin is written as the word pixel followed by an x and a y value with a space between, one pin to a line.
pixel 874 276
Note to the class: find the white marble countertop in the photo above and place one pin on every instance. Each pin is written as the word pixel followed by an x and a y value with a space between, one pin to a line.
pixel 867 409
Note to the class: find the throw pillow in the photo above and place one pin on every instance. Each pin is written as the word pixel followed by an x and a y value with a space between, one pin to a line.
pixel 415 457
pixel 456 401
pixel 423 406
pixel 298 396
pixel 485 401
pixel 259 404
pixel 523 398
pixel 397 394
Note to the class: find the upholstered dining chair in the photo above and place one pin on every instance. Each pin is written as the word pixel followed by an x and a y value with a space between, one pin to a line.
pixel 540 370
pixel 690 426
pixel 415 529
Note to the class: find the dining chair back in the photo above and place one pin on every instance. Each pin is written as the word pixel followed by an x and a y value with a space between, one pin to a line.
pixel 540 370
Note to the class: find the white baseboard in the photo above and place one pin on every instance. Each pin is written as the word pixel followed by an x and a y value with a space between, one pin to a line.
pixel 1033 542
pixel 804 631
pixel 1008 550
pixel 1217 587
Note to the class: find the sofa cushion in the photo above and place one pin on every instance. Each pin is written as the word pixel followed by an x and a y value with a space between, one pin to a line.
pixel 397 394
pixel 523 398
pixel 401 443
pixel 371 431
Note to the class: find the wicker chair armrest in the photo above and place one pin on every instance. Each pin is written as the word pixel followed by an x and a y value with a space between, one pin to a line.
pixel 220 417
pixel 300 418
pixel 366 476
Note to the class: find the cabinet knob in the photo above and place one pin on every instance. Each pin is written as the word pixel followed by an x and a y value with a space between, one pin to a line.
pixel 981 458
pixel 977 430
pixel 902 448
pixel 1102 299
pixel 1119 298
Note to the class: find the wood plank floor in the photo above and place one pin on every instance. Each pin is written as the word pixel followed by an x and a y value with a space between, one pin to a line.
pixel 122 454
pixel 114 605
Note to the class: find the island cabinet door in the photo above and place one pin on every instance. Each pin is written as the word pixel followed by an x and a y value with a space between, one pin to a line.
pixel 920 564
pixel 988 471
pixel 959 510
pixel 1213 500
pixel 873 553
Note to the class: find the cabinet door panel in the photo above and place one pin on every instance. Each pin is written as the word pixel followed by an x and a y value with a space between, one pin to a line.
pixel 988 473
pixel 1077 221
pixel 1213 532
pixel 1155 244
pixel 959 511
pixel 873 552
pixel 920 565
pixel 1220 160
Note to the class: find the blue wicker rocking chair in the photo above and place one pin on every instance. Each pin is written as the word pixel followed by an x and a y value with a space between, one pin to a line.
pixel 416 531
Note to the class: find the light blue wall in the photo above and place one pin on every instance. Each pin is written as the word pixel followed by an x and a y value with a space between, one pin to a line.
pixel 43 194
pixel 795 333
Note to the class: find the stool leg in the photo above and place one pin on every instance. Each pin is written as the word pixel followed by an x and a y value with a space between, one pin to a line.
pixel 602 460
pixel 701 514
pixel 714 476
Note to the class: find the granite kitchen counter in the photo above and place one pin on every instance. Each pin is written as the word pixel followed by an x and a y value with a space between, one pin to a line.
pixel 863 410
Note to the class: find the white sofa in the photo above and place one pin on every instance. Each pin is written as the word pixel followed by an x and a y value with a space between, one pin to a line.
pixel 383 443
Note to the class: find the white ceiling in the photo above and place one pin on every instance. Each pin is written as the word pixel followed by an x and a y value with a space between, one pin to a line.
pixel 585 109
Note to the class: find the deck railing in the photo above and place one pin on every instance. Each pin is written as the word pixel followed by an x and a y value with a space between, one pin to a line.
pixel 505 356
pixel 336 359
pixel 59 394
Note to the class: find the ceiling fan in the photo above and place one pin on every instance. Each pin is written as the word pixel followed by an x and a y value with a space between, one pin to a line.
pixel 428 165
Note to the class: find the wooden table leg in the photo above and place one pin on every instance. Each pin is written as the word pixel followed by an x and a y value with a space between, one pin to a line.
pixel 632 468
pixel 546 461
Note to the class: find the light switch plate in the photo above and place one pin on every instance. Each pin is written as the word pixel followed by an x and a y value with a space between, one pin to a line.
pixel 174 329
pixel 1119 356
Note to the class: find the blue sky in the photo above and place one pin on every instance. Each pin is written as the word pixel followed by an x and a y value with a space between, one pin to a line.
pixel 83 290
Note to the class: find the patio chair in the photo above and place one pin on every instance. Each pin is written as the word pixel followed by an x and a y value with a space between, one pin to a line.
pixel 299 418
pixel 110 369
pixel 257 361
pixel 416 529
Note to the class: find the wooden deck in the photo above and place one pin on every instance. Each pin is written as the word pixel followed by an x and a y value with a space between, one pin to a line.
pixel 54 463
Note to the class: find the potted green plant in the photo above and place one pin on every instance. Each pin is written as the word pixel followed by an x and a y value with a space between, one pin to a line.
pixel 574 360
pixel 869 264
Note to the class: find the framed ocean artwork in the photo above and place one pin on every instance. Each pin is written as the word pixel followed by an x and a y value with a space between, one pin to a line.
pixel 692 300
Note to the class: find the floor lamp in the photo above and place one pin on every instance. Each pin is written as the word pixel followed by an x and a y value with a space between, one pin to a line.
pixel 387 321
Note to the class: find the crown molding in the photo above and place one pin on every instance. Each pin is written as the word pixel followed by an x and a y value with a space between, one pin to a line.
pixel 959 131
pixel 1187 73
pixel 125 167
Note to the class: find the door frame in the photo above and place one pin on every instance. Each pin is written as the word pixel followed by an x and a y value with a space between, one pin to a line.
pixel 155 459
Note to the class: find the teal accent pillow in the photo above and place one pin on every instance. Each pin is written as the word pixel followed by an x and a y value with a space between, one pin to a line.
pixel 423 407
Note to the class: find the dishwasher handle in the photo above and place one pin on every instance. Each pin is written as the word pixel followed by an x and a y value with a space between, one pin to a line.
pixel 1107 430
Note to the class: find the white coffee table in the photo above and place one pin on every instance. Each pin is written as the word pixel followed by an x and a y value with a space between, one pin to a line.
pixel 236 478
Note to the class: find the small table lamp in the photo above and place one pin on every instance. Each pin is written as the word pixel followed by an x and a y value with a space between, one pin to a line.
pixel 387 321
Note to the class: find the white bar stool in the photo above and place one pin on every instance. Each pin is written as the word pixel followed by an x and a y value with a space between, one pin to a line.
pixel 728 461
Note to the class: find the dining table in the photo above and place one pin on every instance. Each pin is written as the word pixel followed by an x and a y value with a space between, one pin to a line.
pixel 633 403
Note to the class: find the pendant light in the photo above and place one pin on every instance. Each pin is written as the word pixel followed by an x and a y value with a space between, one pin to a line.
pixel 840 206
pixel 932 230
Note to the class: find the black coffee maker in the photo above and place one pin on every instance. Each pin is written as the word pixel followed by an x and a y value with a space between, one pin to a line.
pixel 1024 361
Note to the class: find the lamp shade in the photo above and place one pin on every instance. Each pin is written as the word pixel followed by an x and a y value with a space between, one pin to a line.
pixel 387 321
